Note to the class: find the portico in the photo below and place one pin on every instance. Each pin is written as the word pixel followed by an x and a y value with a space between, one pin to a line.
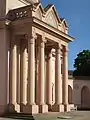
pixel 36 35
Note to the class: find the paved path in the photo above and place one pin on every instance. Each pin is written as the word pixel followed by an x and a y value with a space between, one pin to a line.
pixel 76 115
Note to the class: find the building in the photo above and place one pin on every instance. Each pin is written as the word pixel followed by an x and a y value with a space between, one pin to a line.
pixel 79 91
pixel 33 58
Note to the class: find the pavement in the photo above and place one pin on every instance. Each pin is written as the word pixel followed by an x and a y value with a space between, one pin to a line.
pixel 74 115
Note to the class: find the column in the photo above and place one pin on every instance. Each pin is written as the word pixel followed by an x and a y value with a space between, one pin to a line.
pixel 18 72
pixel 58 107
pixel 65 78
pixel 13 106
pixel 42 106
pixel 23 82
pixel 31 107
pixel 37 72
pixel 49 79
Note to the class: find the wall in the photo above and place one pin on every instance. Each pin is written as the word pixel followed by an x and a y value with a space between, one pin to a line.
pixel 77 86
pixel 3 68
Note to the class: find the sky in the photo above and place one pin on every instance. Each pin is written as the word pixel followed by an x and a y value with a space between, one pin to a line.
pixel 77 15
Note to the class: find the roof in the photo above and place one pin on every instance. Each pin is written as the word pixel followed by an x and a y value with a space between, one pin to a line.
pixel 48 7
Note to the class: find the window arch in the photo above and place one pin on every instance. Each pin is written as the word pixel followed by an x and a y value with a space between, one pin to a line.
pixel 85 97
pixel 69 94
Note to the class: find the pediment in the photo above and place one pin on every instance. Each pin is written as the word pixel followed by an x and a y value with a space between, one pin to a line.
pixel 39 11
pixel 52 17
pixel 38 14
pixel 51 20
pixel 63 21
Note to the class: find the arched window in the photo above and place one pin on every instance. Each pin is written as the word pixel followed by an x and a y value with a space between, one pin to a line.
pixel 85 97
pixel 69 94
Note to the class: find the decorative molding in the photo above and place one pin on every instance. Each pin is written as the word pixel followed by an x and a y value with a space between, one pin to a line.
pixel 34 33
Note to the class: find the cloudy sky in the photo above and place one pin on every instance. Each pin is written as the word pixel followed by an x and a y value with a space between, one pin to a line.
pixel 77 14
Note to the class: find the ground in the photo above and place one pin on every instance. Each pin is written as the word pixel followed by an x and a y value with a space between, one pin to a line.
pixel 75 115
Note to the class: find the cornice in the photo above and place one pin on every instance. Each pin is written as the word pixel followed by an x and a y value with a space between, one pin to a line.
pixel 53 29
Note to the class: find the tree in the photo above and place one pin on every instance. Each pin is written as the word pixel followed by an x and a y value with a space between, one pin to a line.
pixel 82 64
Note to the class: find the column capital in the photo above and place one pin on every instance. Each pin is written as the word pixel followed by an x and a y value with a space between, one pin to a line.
pixel 49 51
pixel 49 55
pixel 34 33
pixel 42 41
pixel 43 38
pixel 58 48
pixel 66 49
pixel 31 38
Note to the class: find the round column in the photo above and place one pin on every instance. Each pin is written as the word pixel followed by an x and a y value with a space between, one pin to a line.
pixel 58 76
pixel 42 107
pixel 13 106
pixel 58 107
pixel 65 78
pixel 42 73
pixel 31 71
pixel 14 74
pixel 31 107
pixel 24 77
pixel 49 79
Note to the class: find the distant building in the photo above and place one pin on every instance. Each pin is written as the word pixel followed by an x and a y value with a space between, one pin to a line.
pixel 79 91
pixel 33 58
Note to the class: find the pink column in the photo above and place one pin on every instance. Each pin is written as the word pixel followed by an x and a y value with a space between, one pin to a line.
pixel 42 106
pixel 13 106
pixel 31 107
pixel 49 79
pixel 65 78
pixel 58 107
pixel 23 82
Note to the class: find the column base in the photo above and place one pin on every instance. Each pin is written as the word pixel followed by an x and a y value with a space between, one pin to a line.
pixel 22 106
pixel 30 109
pixel 14 108
pixel 58 108
pixel 72 107
pixel 67 108
pixel 49 107
pixel 43 108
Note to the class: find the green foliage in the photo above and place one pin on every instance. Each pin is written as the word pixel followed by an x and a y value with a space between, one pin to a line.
pixel 82 64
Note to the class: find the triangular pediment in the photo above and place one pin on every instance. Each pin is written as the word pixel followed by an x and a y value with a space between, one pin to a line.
pixel 39 11
pixel 51 16
pixel 63 21
pixel 38 14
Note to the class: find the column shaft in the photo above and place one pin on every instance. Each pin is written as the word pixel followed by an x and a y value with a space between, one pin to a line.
pixel 18 73
pixel 31 71
pixel 58 107
pixel 14 75
pixel 31 107
pixel 42 87
pixel 58 77
pixel 42 106
pixel 13 106
pixel 24 76
pixel 65 77
pixel 49 79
